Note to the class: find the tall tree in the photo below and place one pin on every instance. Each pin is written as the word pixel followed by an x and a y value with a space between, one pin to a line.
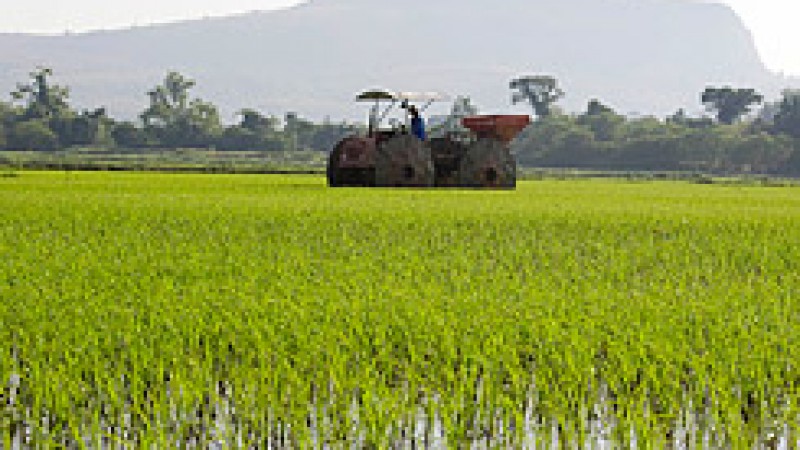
pixel 541 91
pixel 42 100
pixel 177 120
pixel 730 104
pixel 168 100
pixel 787 119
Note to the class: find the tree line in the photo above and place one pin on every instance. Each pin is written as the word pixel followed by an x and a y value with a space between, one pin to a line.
pixel 732 139
pixel 41 118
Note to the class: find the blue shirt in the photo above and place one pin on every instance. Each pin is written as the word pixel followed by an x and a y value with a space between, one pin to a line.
pixel 418 127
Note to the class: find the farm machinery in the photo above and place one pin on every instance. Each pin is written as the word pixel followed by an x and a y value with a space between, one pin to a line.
pixel 394 156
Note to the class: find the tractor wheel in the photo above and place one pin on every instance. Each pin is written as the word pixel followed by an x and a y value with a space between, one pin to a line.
pixel 351 163
pixel 488 163
pixel 447 154
pixel 404 161
pixel 332 169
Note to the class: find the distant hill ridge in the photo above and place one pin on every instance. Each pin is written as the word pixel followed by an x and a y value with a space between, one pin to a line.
pixel 645 56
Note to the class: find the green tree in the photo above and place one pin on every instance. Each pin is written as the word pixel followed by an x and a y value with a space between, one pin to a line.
pixel 258 123
pixel 175 119
pixel 540 91
pixel 595 108
pixel 8 113
pixel 128 135
pixel 682 119
pixel 327 134
pixel 787 119
pixel 202 125
pixel 34 134
pixel 7 117
pixel 728 103
pixel 299 132
pixel 254 132
pixel 291 130
pixel 759 153
pixel 606 125
pixel 650 144
pixel 557 140
pixel 86 128
pixel 42 100
pixel 238 138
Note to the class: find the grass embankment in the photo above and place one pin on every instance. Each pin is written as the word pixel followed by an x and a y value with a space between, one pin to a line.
pixel 165 160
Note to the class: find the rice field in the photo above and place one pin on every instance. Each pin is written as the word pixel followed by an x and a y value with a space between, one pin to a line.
pixel 216 311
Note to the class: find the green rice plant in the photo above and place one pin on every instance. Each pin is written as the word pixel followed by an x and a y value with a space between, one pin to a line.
pixel 171 310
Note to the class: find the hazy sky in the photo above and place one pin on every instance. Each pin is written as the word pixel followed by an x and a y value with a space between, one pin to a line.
pixel 773 22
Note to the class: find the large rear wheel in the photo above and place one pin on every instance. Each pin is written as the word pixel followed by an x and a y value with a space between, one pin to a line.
pixel 488 163
pixel 404 161
pixel 351 163
pixel 331 171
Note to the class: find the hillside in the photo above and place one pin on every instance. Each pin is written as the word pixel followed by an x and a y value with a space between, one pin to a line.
pixel 645 56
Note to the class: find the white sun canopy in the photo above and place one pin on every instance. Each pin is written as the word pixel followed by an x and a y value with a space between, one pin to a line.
pixel 424 99
pixel 382 94
pixel 421 96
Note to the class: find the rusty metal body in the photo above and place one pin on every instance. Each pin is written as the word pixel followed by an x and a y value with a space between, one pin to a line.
pixel 352 162
pixel 395 158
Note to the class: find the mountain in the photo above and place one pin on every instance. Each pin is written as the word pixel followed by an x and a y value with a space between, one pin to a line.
pixel 643 56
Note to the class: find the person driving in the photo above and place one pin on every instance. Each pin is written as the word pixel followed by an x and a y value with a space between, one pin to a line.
pixel 417 122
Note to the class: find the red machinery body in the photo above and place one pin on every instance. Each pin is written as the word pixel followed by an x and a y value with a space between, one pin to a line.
pixel 502 127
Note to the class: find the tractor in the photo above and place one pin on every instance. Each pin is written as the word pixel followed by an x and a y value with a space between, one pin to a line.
pixel 393 156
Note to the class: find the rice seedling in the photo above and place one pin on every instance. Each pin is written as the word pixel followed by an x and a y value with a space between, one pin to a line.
pixel 261 311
